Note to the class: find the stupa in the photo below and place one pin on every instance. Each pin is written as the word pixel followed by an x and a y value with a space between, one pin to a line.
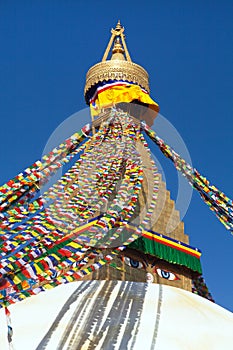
pixel 109 226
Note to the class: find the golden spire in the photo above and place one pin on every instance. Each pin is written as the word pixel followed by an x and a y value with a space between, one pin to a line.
pixel 119 67
pixel 119 26
pixel 117 50
pixel 118 38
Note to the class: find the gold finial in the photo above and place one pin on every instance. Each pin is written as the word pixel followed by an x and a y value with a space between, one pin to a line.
pixel 118 51
pixel 119 67
pixel 118 26
pixel 118 30
pixel 117 35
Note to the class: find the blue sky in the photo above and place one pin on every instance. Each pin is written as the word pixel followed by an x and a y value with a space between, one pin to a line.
pixel 186 46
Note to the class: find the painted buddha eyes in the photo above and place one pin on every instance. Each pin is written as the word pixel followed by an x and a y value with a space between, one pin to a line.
pixel 136 264
pixel 166 274
pixel 133 263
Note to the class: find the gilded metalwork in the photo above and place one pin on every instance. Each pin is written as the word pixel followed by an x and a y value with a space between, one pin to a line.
pixel 119 67
pixel 117 70
pixel 116 34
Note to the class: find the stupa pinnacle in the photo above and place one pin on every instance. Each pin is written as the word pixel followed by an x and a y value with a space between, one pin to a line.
pixel 119 67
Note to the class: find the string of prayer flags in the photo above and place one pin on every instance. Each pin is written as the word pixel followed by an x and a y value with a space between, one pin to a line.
pixel 213 197
pixel 9 328
pixel 40 171
pixel 49 239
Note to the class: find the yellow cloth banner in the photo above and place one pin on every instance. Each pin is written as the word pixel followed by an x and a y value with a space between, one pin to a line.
pixel 117 94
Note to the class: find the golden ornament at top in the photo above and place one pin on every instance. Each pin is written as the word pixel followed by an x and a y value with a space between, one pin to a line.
pixel 119 67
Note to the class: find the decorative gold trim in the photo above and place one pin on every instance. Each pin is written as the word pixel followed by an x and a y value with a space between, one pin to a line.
pixel 117 70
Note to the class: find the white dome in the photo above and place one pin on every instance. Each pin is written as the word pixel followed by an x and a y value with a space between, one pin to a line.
pixel 117 315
